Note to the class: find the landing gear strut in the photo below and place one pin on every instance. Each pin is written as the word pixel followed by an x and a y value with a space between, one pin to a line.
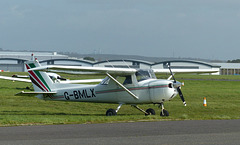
pixel 163 112
pixel 149 111
pixel 112 112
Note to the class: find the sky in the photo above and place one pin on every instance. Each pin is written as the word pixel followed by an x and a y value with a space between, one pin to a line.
pixel 208 29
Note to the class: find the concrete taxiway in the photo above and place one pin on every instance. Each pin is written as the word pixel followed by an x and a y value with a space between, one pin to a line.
pixel 219 132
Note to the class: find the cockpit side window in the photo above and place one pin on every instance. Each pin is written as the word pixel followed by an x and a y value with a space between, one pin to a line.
pixel 152 74
pixel 144 75
pixel 128 80
pixel 105 81
pixel 122 79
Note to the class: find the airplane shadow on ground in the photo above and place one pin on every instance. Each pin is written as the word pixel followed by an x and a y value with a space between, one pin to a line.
pixel 26 88
pixel 44 113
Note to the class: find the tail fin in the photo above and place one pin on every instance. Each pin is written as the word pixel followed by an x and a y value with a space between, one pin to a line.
pixel 40 80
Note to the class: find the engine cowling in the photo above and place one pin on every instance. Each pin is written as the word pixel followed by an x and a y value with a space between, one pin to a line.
pixel 161 90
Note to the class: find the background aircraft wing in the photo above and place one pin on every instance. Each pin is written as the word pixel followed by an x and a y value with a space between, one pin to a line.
pixel 15 79
pixel 75 69
pixel 164 71
pixel 34 93
pixel 63 82
pixel 81 81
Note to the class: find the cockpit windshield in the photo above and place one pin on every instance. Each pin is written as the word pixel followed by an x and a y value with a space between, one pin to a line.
pixel 144 75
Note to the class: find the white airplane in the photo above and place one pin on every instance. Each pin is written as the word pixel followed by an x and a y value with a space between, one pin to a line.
pixel 121 86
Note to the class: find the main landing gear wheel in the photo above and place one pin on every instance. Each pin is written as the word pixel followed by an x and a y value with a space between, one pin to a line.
pixel 150 111
pixel 164 113
pixel 111 112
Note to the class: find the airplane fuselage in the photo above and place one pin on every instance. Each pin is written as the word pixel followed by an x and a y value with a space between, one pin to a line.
pixel 148 91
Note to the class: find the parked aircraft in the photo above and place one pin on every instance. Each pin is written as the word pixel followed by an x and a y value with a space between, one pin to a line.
pixel 55 77
pixel 123 86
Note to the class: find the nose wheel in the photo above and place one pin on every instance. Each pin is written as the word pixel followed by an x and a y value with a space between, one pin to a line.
pixel 164 112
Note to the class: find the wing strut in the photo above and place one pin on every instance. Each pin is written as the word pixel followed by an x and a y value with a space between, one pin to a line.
pixel 122 86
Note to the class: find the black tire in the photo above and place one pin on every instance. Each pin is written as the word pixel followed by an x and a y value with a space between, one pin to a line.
pixel 111 112
pixel 164 113
pixel 150 111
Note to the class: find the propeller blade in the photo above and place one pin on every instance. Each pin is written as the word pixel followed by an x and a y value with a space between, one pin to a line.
pixel 178 87
pixel 181 96
pixel 171 73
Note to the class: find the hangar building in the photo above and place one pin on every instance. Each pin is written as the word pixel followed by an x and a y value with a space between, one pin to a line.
pixel 14 62
pixel 229 68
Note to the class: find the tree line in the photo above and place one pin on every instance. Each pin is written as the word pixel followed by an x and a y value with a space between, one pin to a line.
pixel 234 61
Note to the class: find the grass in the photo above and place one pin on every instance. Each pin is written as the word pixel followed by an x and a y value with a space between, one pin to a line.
pixel 223 102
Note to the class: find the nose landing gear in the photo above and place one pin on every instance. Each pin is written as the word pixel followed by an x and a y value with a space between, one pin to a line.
pixel 163 112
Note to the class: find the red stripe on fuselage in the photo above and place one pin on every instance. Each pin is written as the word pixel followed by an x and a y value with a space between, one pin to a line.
pixel 139 88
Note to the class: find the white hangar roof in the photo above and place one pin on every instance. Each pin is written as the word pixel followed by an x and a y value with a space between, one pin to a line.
pixel 229 65
pixel 185 64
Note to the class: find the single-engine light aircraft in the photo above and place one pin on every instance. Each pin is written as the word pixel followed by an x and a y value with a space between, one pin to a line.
pixel 121 86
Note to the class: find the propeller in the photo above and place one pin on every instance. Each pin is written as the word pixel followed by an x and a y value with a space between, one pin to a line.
pixel 177 86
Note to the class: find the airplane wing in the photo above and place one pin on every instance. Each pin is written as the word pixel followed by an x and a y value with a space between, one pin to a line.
pixel 81 81
pixel 164 71
pixel 63 82
pixel 86 69
pixel 116 70
pixel 34 93
pixel 15 79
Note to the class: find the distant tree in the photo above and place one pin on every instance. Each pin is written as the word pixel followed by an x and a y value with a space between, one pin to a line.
pixel 234 61
pixel 89 58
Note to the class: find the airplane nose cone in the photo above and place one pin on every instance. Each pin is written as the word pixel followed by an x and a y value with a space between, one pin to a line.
pixel 177 84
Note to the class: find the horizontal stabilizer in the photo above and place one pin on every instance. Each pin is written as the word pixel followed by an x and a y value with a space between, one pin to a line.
pixel 34 93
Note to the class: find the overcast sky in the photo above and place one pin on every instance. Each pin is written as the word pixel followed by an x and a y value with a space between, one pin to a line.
pixel 161 28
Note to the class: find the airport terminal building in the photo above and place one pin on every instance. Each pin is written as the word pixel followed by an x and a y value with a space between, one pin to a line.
pixel 14 62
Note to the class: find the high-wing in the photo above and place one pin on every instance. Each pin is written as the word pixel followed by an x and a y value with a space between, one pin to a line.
pixel 164 71
pixel 87 69
pixel 117 70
